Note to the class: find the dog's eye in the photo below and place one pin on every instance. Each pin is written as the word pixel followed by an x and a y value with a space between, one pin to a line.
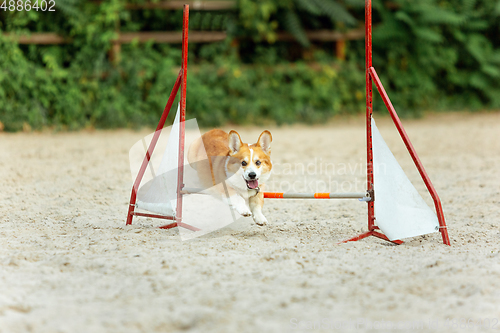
pixel 258 163
pixel 244 163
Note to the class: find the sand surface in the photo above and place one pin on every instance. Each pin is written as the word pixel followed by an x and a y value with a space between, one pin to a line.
pixel 68 263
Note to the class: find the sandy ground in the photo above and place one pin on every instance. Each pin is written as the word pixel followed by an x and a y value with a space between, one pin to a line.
pixel 68 263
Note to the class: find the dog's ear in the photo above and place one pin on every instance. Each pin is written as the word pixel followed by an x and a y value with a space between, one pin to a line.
pixel 264 142
pixel 234 142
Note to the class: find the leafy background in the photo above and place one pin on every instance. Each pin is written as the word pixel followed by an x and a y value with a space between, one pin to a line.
pixel 431 55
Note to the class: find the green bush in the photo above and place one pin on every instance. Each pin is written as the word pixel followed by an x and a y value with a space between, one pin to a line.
pixel 429 54
pixel 439 55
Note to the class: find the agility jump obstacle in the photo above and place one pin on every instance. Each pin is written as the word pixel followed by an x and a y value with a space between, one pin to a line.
pixel 372 134
pixel 179 83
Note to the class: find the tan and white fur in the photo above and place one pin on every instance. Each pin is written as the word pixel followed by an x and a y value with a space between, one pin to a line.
pixel 236 170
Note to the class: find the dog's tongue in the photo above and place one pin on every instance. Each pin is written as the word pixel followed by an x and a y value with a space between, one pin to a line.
pixel 253 184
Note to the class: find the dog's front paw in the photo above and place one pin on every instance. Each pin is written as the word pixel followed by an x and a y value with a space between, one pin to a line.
pixel 243 210
pixel 238 203
pixel 260 219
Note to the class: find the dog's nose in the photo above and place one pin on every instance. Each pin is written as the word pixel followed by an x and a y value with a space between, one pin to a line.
pixel 252 175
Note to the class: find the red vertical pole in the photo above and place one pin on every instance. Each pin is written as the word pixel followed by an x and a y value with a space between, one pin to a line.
pixel 182 128
pixel 152 145
pixel 369 110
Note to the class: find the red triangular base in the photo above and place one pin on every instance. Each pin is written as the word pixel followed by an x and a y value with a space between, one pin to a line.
pixel 371 233
pixel 180 225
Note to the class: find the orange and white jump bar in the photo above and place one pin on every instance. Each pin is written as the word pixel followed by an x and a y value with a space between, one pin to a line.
pixel 277 195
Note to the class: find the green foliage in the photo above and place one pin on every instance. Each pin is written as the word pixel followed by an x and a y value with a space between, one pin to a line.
pixel 260 20
pixel 283 93
pixel 429 54
pixel 135 94
pixel 440 54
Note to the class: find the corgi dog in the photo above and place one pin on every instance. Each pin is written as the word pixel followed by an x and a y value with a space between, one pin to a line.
pixel 236 170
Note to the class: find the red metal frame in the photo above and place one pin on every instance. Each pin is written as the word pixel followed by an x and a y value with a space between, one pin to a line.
pixel 152 145
pixel 179 83
pixel 371 75
pixel 414 156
